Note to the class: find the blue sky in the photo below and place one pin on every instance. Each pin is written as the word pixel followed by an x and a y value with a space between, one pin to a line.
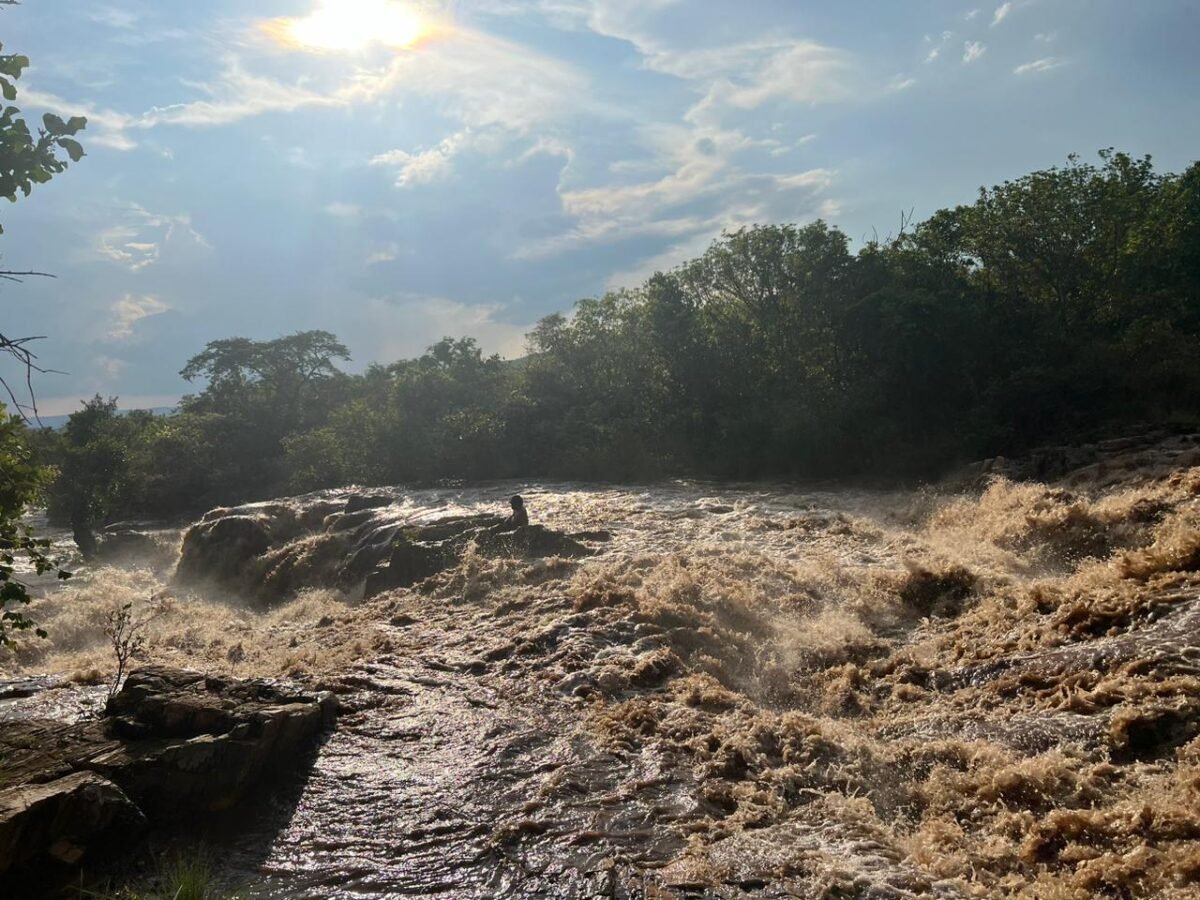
pixel 395 172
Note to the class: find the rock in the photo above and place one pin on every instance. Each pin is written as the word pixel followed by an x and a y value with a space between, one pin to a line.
pixel 173 744
pixel 15 689
pixel 531 541
pixel 218 549
pixel 409 563
pixel 63 820
pixel 123 546
pixel 266 552
pixel 419 553
pixel 367 501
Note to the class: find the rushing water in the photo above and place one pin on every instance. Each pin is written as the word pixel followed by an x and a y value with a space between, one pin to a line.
pixel 747 691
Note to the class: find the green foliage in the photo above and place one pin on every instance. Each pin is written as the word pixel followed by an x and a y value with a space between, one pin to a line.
pixel 1056 306
pixel 21 481
pixel 183 875
pixel 26 158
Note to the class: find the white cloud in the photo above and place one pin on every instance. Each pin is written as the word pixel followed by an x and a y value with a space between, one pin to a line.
pixel 403 326
pixel 113 17
pixel 137 242
pixel 972 51
pixel 233 95
pixel 1039 65
pixel 900 83
pixel 1044 38
pixel 933 55
pixel 425 166
pixel 1001 13
pixel 388 253
pixel 971 15
pixel 341 210
pixel 130 310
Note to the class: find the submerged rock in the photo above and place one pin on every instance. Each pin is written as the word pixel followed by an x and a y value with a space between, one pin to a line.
pixel 173 744
pixel 420 553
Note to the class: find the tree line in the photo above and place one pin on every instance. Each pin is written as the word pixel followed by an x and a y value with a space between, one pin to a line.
pixel 1062 304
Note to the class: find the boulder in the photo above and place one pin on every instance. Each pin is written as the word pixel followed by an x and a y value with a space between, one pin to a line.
pixel 62 820
pixel 126 546
pixel 418 553
pixel 218 549
pixel 172 744
pixel 367 501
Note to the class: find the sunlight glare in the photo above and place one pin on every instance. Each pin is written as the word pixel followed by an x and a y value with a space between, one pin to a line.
pixel 350 25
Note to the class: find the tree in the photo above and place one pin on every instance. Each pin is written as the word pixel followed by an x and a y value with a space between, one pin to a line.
pixel 25 160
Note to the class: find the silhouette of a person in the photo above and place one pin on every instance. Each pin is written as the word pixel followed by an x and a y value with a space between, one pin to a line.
pixel 519 517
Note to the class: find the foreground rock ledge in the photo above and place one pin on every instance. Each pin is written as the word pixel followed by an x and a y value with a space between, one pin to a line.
pixel 173 743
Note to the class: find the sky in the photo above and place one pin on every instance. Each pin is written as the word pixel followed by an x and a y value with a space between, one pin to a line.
pixel 396 172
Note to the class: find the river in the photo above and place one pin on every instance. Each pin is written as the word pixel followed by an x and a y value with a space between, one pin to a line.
pixel 748 690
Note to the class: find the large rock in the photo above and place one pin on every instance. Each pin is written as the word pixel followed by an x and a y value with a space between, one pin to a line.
pixel 218 549
pixel 127 545
pixel 419 553
pixel 59 821
pixel 267 552
pixel 172 744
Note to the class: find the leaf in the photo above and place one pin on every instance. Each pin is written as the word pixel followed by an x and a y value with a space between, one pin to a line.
pixel 73 148
pixel 54 124
pixel 9 89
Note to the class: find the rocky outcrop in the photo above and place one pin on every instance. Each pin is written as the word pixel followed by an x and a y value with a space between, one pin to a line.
pixel 173 744
pixel 1151 453
pixel 63 819
pixel 127 545
pixel 361 544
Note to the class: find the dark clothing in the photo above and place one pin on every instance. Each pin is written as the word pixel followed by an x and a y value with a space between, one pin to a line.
pixel 518 518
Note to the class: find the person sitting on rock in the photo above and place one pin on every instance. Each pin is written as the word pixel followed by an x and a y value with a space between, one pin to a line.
pixel 518 518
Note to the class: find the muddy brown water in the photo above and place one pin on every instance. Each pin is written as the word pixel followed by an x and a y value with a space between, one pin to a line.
pixel 720 703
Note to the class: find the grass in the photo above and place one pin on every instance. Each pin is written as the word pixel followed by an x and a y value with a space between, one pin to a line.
pixel 183 876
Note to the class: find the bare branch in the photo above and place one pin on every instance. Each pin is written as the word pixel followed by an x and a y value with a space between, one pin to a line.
pixel 17 276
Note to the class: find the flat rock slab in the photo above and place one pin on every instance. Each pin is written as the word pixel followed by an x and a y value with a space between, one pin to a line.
pixel 172 744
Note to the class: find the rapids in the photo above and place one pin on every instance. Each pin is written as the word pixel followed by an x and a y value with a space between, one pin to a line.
pixel 750 690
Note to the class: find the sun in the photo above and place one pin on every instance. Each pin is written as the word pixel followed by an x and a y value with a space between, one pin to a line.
pixel 351 25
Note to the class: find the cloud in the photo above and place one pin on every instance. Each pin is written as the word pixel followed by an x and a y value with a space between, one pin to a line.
pixel 971 15
pixel 1001 14
pixel 130 310
pixel 1039 65
pixel 483 82
pixel 341 210
pixel 232 96
pixel 138 241
pixel 972 51
pixel 402 326
pixel 900 83
pixel 390 252
pixel 425 166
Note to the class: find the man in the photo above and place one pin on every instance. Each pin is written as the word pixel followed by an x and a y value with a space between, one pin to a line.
pixel 518 518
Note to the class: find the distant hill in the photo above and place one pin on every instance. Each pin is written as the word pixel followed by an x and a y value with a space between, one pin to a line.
pixel 59 421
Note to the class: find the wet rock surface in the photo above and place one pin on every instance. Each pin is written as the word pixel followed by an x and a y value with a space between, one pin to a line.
pixel 362 544
pixel 173 744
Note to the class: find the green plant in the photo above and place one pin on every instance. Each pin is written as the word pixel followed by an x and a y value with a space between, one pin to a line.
pixel 126 632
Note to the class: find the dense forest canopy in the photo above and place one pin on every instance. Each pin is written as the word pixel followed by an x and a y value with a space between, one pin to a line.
pixel 1061 304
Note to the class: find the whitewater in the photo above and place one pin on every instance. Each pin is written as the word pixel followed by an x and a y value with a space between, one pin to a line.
pixel 746 690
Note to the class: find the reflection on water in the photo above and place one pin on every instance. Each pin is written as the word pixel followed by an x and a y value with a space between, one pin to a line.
pixel 750 690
